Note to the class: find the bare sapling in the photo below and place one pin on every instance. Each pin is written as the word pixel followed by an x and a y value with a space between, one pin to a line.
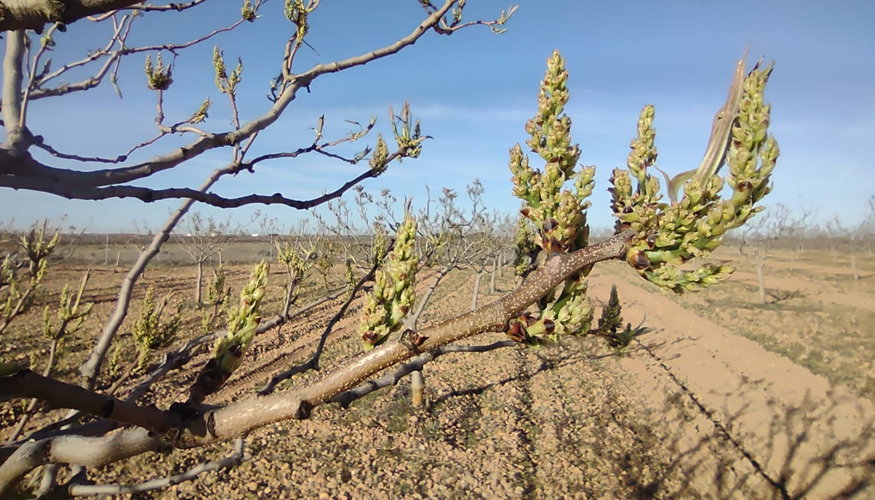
pixel 68 319
pixel 762 235
pixel 21 278
pixel 204 240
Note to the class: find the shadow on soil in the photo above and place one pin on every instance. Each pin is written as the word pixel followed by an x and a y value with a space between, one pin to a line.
pixel 809 451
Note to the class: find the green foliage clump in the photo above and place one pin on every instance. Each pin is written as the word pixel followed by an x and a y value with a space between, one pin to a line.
pixel 409 138
pixel 158 76
pixel 350 278
pixel 227 84
pixel 17 290
pixel 380 246
pixel 243 321
pixel 611 325
pixel 217 300
pixel 297 261
pixel 324 262
pixel 612 315
pixel 665 235
pixel 150 332
pixel 525 248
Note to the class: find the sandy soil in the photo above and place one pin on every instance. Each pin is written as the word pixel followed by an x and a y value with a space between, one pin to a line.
pixel 784 419
pixel 692 411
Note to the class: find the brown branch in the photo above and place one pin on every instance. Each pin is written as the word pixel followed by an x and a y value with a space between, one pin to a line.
pixel 180 357
pixel 35 14
pixel 58 394
pixel 172 361
pixel 173 7
pixel 120 33
pixel 91 368
pixel 32 83
pixel 114 57
pixel 147 195
pixel 12 164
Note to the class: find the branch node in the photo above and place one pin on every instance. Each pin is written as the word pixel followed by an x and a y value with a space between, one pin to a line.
pixel 303 411
pixel 412 340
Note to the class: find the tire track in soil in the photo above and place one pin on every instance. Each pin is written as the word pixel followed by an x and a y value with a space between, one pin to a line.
pixel 794 425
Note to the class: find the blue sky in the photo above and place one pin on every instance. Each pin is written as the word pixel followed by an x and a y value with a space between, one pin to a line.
pixel 474 91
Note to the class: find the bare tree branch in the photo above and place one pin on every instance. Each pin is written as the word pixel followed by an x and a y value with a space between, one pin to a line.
pixel 35 14
pixel 236 458
pixel 175 7
pixel 55 177
pixel 12 81
pixel 147 195
pixel 114 58
pixel 90 369
pixel 58 394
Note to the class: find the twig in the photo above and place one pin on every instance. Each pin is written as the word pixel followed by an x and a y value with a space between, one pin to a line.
pixel 236 458
pixel 175 7
pixel 416 364
pixel 313 362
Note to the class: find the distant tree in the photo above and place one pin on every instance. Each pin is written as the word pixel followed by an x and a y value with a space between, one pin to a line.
pixel 866 230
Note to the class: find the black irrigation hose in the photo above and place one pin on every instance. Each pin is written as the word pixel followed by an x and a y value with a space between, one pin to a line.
pixel 782 488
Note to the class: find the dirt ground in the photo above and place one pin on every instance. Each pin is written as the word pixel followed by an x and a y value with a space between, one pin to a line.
pixel 727 398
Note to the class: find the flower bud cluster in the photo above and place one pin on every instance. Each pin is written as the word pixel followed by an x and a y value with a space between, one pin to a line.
pixel 242 322
pixel 378 161
pixel 408 133
pixel 670 235
pixel 557 213
pixel 394 289
pixel 297 260
pixel 158 77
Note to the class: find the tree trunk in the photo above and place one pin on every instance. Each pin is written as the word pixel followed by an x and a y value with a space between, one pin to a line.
pixel 197 286
pixel 417 388
pixel 106 252
pixel 760 263
pixel 476 291
pixel 417 382
pixel 290 291
pixel 854 267
pixel 495 270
